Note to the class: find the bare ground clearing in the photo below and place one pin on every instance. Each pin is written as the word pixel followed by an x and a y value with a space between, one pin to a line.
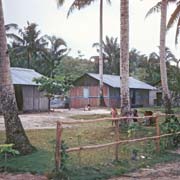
pixel 48 120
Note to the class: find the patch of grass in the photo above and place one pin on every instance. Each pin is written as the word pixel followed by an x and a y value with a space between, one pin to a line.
pixel 118 168
pixel 90 116
pixel 88 165
pixel 38 162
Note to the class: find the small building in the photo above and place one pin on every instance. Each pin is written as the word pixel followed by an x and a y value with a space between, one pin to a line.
pixel 28 97
pixel 86 91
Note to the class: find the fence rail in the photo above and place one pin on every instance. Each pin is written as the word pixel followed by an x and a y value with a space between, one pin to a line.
pixel 113 119
pixel 115 143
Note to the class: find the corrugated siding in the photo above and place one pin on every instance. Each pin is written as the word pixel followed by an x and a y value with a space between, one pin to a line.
pixel 33 100
pixel 43 102
pixel 27 98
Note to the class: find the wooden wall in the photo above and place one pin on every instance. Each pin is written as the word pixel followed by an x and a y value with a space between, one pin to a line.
pixel 111 97
pixel 33 99
pixel 77 99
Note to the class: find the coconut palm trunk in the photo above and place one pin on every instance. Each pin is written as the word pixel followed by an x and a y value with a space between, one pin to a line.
pixel 163 70
pixel 124 57
pixel 14 130
pixel 101 103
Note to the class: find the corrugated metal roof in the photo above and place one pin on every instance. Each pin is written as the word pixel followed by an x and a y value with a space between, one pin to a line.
pixel 114 81
pixel 24 76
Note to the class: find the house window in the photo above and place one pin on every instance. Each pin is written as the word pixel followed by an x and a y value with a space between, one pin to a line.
pixel 85 92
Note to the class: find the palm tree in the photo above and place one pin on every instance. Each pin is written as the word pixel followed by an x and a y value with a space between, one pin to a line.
pixel 124 57
pixel 162 6
pixel 28 43
pixel 110 50
pixel 79 4
pixel 15 133
pixel 56 49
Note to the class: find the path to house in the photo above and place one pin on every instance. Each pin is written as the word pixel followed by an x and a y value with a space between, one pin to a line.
pixel 48 120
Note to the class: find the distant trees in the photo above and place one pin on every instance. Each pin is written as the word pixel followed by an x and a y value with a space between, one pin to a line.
pixel 110 51
pixel 74 67
pixel 29 49
pixel 27 43
pixel 52 53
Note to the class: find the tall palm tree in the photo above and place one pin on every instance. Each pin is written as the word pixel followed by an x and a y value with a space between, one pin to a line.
pixel 79 4
pixel 162 7
pixel 124 57
pixel 15 133
pixel 163 69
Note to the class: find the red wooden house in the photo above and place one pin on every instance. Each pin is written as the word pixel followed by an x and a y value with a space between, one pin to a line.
pixel 86 91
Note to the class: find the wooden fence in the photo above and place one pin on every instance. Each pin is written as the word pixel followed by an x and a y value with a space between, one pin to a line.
pixel 117 135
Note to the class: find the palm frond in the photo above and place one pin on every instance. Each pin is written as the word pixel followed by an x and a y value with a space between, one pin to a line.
pixel 79 4
pixel 11 26
pixel 177 32
pixel 15 37
pixel 60 2
pixel 95 45
pixel 154 9
pixel 174 17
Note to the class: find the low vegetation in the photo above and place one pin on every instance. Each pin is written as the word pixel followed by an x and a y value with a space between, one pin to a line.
pixel 94 164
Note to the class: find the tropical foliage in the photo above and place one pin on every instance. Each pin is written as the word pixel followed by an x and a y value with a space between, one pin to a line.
pixel 111 51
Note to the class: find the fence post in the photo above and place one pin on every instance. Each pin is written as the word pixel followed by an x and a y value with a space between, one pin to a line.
pixel 116 139
pixel 58 146
pixel 157 134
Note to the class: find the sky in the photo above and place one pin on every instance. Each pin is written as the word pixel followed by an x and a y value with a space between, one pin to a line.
pixel 81 29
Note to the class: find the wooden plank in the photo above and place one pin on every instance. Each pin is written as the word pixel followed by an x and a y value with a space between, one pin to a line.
pixel 117 142
pixel 58 146
pixel 110 119
pixel 116 139
pixel 157 134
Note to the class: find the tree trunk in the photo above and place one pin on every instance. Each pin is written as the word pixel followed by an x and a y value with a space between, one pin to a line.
pixel 101 103
pixel 163 70
pixel 124 57
pixel 14 131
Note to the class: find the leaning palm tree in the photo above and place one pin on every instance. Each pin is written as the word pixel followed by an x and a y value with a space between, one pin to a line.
pixel 15 133
pixel 79 4
pixel 162 7
pixel 124 57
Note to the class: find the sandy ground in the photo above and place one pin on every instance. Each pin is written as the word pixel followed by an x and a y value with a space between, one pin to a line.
pixel 48 120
